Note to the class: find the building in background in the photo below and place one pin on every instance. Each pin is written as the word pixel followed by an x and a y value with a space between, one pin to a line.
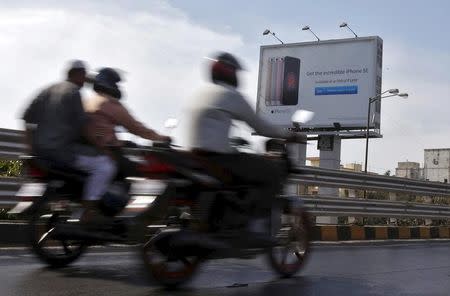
pixel 437 165
pixel 409 169
pixel 343 192
pixel 352 167
pixel 313 161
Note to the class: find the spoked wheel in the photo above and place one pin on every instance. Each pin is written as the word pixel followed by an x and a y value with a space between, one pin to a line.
pixel 168 269
pixel 294 236
pixel 53 251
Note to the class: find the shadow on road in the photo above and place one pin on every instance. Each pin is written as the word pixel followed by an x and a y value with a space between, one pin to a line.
pixel 305 286
pixel 136 276
pixel 92 280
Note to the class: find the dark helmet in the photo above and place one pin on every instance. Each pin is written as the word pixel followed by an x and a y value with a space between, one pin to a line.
pixel 106 82
pixel 224 69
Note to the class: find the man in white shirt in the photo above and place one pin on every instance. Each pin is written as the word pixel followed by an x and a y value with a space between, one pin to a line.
pixel 212 112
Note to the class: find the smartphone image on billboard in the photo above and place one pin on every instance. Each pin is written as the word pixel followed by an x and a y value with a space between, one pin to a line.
pixel 282 82
pixel 268 97
pixel 291 81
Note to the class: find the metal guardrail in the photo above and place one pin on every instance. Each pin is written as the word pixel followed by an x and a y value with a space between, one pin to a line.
pixel 335 206
pixel 8 189
pixel 11 143
pixel 12 146
pixel 343 179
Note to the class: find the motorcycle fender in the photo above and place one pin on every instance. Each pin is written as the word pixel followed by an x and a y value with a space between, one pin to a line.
pixel 161 239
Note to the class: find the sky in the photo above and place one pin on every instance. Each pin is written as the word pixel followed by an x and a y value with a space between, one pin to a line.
pixel 160 46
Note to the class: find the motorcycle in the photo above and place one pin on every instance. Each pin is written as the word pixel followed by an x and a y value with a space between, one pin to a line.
pixel 206 218
pixel 191 217
pixel 51 201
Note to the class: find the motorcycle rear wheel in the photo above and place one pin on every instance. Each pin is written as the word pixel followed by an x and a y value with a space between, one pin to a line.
pixel 288 257
pixel 54 252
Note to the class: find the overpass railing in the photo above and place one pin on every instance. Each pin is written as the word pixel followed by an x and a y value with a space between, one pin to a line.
pixel 12 146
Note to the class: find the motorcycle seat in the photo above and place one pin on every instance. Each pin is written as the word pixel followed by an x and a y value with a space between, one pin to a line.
pixel 203 170
pixel 202 163
pixel 53 169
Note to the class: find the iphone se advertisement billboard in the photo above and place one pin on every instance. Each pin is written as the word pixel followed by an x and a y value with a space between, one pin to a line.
pixel 333 78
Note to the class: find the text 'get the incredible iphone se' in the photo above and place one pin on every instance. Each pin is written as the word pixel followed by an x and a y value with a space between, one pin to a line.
pixel 282 83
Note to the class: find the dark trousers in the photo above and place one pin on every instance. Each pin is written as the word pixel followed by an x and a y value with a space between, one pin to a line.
pixel 265 174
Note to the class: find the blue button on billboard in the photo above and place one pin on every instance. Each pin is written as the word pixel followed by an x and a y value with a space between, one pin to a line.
pixel 336 90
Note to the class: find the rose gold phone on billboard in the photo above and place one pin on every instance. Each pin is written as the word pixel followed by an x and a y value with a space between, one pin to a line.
pixel 282 81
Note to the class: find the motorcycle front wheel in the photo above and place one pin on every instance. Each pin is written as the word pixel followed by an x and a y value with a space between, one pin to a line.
pixel 289 255
pixel 43 223
pixel 166 267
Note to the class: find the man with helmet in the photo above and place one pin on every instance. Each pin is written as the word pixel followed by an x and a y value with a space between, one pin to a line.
pixel 55 128
pixel 106 112
pixel 212 113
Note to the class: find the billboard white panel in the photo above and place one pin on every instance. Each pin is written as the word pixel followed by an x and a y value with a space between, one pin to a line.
pixel 333 78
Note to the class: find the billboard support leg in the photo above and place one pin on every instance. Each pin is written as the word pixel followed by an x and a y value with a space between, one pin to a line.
pixel 297 153
pixel 330 159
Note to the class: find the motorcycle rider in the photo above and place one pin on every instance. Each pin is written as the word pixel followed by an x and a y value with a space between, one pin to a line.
pixel 55 126
pixel 212 112
pixel 106 112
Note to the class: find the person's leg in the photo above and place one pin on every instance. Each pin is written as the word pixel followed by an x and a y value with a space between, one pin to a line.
pixel 101 170
pixel 266 174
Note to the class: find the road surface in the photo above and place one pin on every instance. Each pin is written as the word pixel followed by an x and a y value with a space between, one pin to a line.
pixel 395 269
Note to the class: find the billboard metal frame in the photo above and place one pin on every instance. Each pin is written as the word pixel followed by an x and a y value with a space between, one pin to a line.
pixel 346 131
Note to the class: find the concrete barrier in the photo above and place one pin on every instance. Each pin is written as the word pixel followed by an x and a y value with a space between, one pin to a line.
pixel 16 233
pixel 347 232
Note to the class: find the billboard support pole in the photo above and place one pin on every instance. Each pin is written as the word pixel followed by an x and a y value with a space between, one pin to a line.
pixel 330 158
pixel 297 152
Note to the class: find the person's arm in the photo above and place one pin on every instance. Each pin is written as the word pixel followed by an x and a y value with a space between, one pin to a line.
pixel 241 110
pixel 31 118
pixel 125 119
pixel 31 114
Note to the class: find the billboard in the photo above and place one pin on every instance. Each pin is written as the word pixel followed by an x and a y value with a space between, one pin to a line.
pixel 333 78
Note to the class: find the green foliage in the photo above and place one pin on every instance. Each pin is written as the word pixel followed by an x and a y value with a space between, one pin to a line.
pixel 10 168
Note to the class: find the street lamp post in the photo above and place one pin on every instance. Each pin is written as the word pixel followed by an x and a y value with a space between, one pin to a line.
pixel 392 93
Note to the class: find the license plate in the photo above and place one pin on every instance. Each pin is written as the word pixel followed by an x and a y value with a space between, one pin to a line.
pixel 31 189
